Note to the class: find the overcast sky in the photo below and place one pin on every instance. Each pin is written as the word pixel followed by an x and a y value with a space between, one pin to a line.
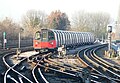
pixel 16 8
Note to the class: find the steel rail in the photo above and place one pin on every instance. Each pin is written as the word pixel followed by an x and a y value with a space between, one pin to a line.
pixel 42 76
pixel 82 60
pixel 98 65
pixel 108 64
pixel 11 68
pixel 33 71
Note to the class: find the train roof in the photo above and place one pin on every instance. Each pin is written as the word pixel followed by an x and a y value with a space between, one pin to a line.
pixel 54 30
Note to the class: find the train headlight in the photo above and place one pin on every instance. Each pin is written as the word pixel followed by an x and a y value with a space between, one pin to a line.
pixel 51 43
pixel 36 42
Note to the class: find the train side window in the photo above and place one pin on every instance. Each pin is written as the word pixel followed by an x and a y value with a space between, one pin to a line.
pixel 66 38
pixel 73 38
pixel 69 38
pixel 80 41
pixel 76 37
pixel 38 35
pixel 89 37
pixel 63 37
pixel 85 37
pixel 51 36
pixel 57 39
pixel 82 38
pixel 60 38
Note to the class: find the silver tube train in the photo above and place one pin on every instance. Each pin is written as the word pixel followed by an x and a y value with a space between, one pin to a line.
pixel 49 39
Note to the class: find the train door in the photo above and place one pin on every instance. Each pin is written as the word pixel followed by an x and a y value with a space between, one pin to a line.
pixel 44 36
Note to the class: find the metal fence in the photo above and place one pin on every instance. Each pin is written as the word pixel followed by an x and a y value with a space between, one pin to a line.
pixel 14 43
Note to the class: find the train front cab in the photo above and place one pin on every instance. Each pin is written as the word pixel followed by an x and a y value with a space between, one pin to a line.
pixel 37 40
pixel 45 41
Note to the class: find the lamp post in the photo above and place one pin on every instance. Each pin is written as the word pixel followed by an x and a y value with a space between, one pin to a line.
pixel 18 50
pixel 19 36
pixel 19 41
pixel 109 30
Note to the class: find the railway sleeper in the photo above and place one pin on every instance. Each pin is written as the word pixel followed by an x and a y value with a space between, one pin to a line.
pixel 62 74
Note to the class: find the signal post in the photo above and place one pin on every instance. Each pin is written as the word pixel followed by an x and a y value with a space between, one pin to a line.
pixel 109 30
pixel 4 39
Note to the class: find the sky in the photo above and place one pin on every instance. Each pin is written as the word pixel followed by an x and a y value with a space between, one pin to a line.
pixel 17 8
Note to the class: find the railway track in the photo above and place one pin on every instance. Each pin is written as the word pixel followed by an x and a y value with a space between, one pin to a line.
pixel 50 64
pixel 42 67
pixel 89 59
pixel 66 68
pixel 113 70
pixel 114 67
pixel 75 70
pixel 13 73
pixel 36 72
pixel 46 69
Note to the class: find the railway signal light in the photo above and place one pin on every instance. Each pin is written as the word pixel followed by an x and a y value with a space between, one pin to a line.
pixel 109 30
pixel 4 40
pixel 4 33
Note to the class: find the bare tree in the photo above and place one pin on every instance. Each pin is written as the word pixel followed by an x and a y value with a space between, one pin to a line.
pixel 32 21
pixel 95 22
pixel 117 26
pixel 81 21
pixel 99 23
pixel 11 28
pixel 118 18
